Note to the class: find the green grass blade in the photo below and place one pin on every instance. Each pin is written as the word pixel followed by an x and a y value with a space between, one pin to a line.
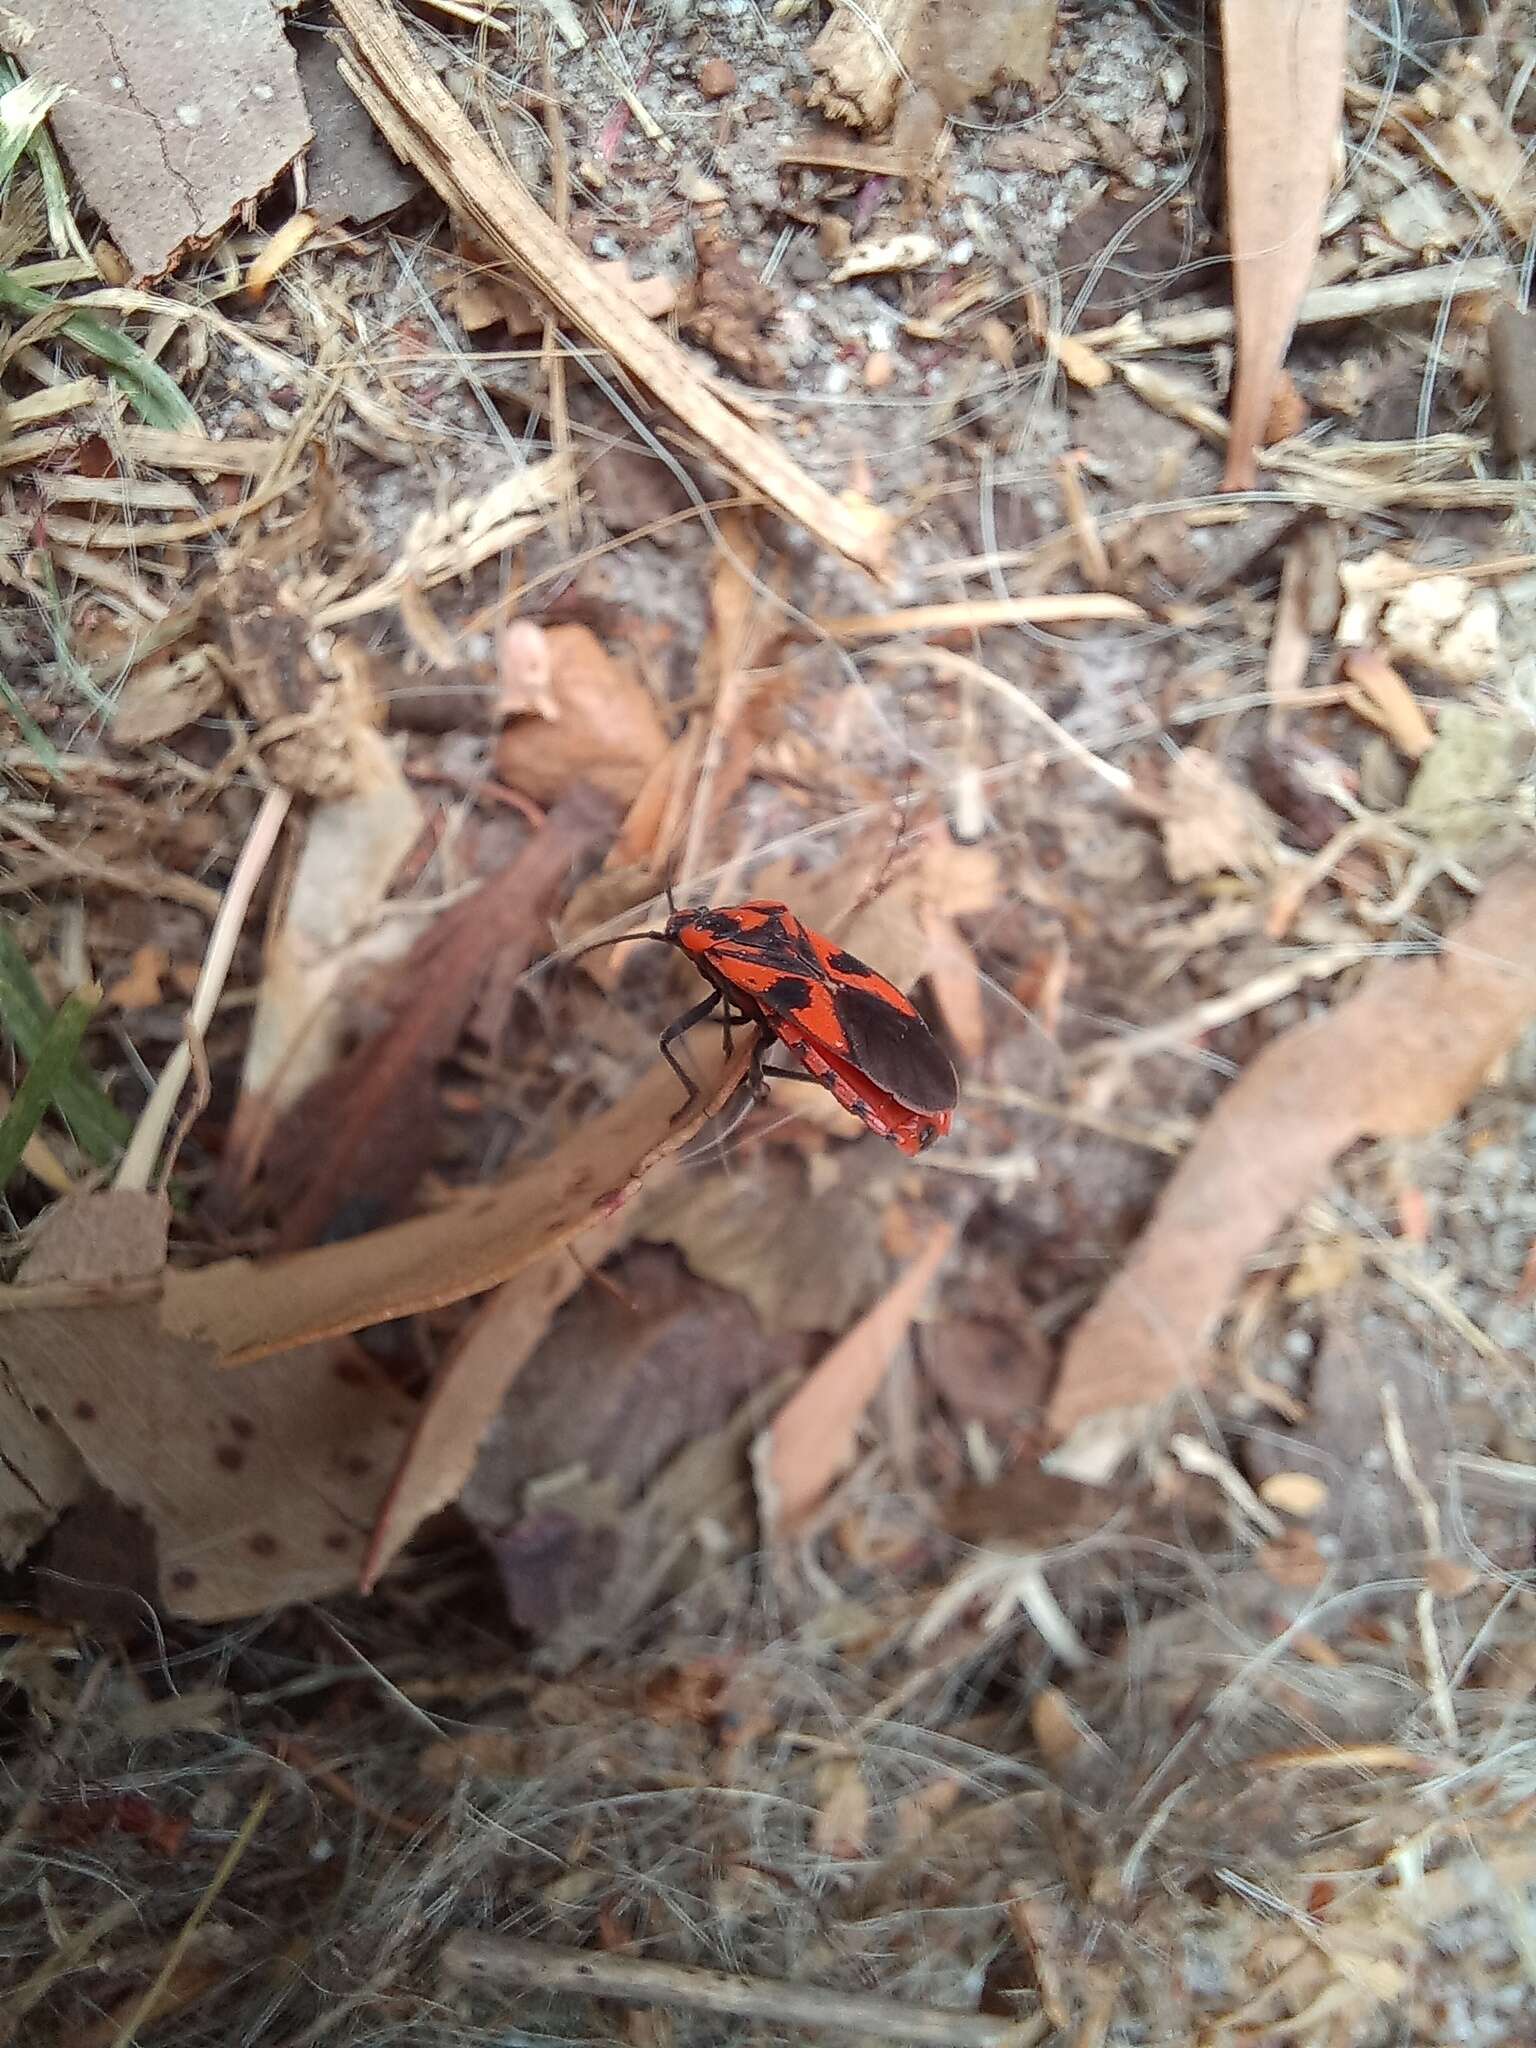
pixel 31 731
pixel 155 396
pixel 23 109
pixel 48 1072
pixel 96 1126
pixel 65 238
pixel 69 662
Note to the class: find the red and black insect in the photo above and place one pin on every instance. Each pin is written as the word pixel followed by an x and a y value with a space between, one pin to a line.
pixel 853 1031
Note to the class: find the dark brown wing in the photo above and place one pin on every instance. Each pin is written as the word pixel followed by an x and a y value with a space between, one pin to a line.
pixel 895 1048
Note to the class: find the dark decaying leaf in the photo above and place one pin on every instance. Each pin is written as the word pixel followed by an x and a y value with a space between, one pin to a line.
pixel 661 1360
pixel 360 1138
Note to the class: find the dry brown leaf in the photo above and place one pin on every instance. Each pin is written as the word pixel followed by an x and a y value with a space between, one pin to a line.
pixel 258 1492
pixel 41 1473
pixel 1283 66
pixel 471 1384
pixel 955 49
pixel 1396 1059
pixel 139 988
pixel 812 1439
pixel 426 126
pixel 806 1259
pixel 559 1485
pixel 1210 824
pixel 956 979
pixel 166 134
pixel 247 1309
pixel 601 725
pixel 841 1825
pixel 1056 1729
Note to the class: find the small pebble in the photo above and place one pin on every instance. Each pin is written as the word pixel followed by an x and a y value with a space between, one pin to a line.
pixel 879 369
pixel 716 78
pixel 837 379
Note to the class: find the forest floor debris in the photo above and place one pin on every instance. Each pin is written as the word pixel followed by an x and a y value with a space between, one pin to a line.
pixel 400 601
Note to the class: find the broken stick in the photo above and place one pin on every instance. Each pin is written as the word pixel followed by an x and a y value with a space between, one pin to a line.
pixel 638 1980
pixel 425 126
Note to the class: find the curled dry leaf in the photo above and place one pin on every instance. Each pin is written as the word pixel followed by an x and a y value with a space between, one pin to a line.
pixel 353 847
pixel 1396 1059
pixel 589 718
pixel 812 1439
pixel 248 1309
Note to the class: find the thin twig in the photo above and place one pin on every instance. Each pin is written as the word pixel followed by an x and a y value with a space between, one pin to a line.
pixel 1329 302
pixel 963 668
pixel 637 1980
pixel 144 1146
pixel 1436 1678
pixel 567 506
pixel 1112 1060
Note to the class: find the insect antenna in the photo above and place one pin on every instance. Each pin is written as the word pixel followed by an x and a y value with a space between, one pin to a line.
pixel 624 939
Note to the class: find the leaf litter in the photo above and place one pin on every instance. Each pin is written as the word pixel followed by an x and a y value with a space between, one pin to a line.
pixel 1148 825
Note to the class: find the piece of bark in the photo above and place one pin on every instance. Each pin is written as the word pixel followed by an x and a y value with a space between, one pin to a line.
pixel 423 123
pixel 351 175
pixel 1395 1060
pixel 1512 381
pixel 172 116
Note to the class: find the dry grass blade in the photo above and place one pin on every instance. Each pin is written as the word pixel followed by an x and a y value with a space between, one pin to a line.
pixel 425 125
pixel 1284 71
pixel 973 614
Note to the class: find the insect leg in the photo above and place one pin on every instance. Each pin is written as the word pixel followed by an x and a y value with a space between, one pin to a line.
pixel 678 1029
